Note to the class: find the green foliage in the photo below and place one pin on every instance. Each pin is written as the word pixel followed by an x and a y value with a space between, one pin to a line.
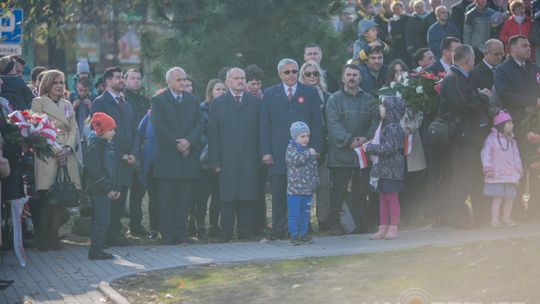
pixel 420 90
pixel 206 35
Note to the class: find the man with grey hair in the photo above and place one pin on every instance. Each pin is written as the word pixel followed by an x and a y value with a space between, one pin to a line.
pixel 482 74
pixel 233 152
pixel 461 101
pixel 283 104
pixel 178 125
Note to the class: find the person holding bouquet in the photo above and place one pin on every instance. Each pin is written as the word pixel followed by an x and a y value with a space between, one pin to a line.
pixel 62 117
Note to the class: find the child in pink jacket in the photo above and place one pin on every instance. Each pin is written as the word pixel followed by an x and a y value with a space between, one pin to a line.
pixel 502 168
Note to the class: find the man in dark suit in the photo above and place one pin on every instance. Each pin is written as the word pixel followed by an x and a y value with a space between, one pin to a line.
pixel 517 83
pixel 442 65
pixel 283 104
pixel 482 74
pixel 233 147
pixel 178 125
pixel 459 98
pixel 140 105
pixel 113 103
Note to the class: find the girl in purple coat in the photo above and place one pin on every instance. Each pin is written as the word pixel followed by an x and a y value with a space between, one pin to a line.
pixel 502 168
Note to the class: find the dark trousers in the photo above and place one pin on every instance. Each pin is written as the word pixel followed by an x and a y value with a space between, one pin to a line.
pixel 175 201
pixel 51 218
pixel 323 195
pixel 437 182
pixel 101 206
pixel 279 205
pixel 339 184
pixel 413 205
pixel 207 186
pixel 467 181
pixel 530 176
pixel 243 212
pixel 136 195
pixel 115 226
pixel 259 206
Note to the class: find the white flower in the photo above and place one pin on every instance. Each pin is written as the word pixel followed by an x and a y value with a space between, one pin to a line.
pixel 398 94
pixel 419 90
pixel 406 82
pixel 392 84
pixel 405 75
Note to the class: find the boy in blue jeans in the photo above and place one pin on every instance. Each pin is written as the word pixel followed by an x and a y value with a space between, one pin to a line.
pixel 302 180
pixel 101 180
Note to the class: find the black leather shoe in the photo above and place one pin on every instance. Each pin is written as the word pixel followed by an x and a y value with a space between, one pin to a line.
pixel 99 255
pixel 138 231
pixel 153 235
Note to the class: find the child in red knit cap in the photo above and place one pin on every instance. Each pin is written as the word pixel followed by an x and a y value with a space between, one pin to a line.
pixel 101 180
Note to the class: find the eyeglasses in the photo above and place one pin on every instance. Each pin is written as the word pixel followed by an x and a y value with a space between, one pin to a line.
pixel 311 74
pixel 288 72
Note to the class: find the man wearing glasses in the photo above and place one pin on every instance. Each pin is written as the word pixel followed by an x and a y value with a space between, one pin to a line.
pixel 283 104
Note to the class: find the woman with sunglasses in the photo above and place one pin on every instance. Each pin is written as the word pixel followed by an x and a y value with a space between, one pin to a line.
pixel 311 74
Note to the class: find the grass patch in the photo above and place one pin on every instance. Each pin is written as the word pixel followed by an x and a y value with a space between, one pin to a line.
pixel 486 272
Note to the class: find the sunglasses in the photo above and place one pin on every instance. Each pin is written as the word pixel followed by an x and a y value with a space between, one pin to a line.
pixel 288 72
pixel 311 74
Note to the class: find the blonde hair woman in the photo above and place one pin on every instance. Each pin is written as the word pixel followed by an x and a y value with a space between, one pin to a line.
pixel 60 113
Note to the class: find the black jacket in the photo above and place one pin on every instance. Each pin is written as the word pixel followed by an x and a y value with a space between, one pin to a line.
pixel 171 121
pixel 517 88
pixel 139 103
pixel 100 166
pixel 459 98
pixel 482 76
pixel 416 34
pixel 16 92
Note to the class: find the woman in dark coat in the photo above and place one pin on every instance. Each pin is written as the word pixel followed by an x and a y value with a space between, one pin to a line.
pixel 207 186
pixel 397 26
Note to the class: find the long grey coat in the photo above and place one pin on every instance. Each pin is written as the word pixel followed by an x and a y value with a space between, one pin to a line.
pixel 233 145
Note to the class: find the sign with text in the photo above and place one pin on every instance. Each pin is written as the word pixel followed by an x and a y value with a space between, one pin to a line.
pixel 11 32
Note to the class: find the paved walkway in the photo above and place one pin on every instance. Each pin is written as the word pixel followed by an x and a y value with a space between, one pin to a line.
pixel 69 277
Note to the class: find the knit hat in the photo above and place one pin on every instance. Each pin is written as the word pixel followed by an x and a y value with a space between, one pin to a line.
pixel 297 128
pixel 364 25
pixel 83 67
pixel 6 65
pixel 501 117
pixel 102 123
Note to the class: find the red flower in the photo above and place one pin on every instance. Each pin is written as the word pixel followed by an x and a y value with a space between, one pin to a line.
pixel 437 87
pixel 300 99
pixel 429 76
pixel 441 75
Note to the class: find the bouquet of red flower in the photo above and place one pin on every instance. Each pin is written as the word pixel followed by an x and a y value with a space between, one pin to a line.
pixel 34 132
pixel 419 89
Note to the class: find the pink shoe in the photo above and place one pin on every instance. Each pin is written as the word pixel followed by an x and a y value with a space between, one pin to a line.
pixel 380 234
pixel 392 233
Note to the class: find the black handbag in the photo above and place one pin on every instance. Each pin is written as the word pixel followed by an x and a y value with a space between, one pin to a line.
pixel 443 132
pixel 63 192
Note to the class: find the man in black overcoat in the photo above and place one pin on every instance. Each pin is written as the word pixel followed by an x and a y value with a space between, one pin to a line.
pixel 233 147
pixel 482 74
pixel 178 125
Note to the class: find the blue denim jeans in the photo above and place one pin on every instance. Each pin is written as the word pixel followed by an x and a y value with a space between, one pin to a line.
pixel 100 220
pixel 299 210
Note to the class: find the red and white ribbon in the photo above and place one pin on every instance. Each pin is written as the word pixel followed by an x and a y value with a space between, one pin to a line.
pixel 362 159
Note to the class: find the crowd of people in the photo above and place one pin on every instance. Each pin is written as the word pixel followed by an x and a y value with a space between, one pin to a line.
pixel 312 133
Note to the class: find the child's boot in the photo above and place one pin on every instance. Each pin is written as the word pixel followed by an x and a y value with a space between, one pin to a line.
pixel 380 234
pixel 392 233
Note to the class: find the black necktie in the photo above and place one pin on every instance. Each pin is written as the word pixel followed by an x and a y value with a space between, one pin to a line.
pixel 121 101
pixel 237 98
